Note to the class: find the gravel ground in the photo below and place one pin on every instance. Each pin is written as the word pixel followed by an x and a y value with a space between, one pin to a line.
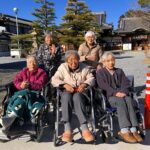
pixel 8 69
pixel 133 64
pixel 5 60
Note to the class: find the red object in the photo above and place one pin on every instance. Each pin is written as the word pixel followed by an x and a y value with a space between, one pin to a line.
pixel 147 103
pixel 76 89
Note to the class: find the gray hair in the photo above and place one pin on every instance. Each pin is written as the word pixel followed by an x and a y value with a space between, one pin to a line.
pixel 90 33
pixel 31 57
pixel 106 54
pixel 71 52
pixel 48 33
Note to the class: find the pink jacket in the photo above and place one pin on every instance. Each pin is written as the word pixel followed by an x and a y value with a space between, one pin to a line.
pixel 36 78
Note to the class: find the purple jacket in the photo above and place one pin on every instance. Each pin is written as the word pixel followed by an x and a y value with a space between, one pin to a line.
pixel 103 78
pixel 36 78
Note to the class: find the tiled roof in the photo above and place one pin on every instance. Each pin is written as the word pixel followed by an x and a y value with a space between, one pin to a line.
pixel 106 26
pixel 133 24
pixel 13 19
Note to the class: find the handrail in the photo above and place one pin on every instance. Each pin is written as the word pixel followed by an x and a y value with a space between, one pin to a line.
pixel 4 86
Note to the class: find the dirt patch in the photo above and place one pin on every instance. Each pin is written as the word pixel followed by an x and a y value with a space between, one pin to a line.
pixel 146 61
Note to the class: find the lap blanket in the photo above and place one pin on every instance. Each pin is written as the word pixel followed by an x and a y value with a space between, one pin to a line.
pixel 23 104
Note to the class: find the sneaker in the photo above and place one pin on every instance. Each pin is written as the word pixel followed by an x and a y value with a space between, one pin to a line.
pixel 127 137
pixel 67 136
pixel 87 135
pixel 137 137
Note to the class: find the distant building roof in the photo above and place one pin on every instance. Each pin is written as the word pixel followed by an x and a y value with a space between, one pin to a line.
pixel 99 13
pixel 101 20
pixel 106 26
pixel 128 25
pixel 20 20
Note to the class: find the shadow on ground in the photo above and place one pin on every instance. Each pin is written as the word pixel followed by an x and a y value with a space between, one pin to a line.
pixel 147 138
pixel 123 57
pixel 9 70
pixel 13 65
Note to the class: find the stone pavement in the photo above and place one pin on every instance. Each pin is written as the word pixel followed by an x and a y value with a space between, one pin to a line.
pixel 8 69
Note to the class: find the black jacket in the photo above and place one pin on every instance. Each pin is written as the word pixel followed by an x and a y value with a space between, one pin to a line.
pixel 104 82
pixel 48 62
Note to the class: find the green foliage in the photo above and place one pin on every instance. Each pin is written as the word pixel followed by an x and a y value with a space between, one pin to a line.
pixel 135 13
pixel 22 37
pixel 77 20
pixel 45 16
pixel 144 3
pixel 25 41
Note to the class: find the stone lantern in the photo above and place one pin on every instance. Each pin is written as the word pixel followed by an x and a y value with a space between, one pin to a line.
pixel 34 44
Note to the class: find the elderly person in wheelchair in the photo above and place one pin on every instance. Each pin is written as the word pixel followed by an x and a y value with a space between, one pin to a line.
pixel 26 102
pixel 116 85
pixel 74 77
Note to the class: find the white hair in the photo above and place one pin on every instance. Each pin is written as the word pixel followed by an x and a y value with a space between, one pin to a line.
pixel 31 57
pixel 106 54
pixel 90 33
pixel 48 33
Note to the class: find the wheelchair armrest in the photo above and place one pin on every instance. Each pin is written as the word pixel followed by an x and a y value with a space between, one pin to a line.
pixel 7 87
pixel 131 79
pixel 44 88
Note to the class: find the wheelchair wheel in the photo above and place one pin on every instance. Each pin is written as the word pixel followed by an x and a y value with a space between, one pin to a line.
pixel 107 134
pixel 39 127
pixel 55 139
pixel 142 131
pixel 55 136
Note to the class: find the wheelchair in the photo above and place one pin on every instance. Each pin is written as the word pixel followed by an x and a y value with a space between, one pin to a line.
pixel 89 114
pixel 106 116
pixel 33 130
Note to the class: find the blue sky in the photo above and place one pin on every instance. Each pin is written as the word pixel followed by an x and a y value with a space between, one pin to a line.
pixel 113 8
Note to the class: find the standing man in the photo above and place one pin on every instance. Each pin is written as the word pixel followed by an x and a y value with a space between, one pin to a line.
pixel 90 52
pixel 49 59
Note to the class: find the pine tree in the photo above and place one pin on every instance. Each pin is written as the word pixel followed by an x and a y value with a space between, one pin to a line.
pixel 144 3
pixel 135 13
pixel 77 20
pixel 45 16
